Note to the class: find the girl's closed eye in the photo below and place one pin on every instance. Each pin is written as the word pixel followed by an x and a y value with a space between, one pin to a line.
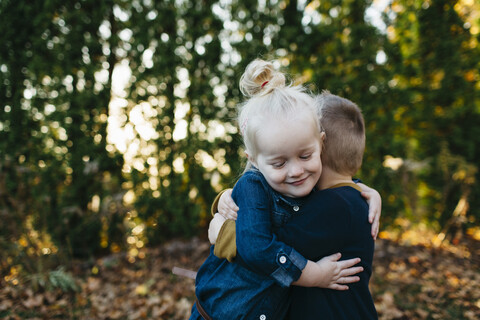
pixel 306 156
pixel 278 165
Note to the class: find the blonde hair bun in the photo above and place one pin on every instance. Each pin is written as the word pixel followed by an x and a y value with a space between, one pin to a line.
pixel 260 78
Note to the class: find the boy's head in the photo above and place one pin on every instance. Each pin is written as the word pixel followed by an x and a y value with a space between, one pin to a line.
pixel 344 127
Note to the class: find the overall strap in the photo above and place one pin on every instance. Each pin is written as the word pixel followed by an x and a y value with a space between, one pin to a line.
pixel 202 311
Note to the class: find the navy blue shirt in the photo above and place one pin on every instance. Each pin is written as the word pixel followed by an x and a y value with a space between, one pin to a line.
pixel 332 220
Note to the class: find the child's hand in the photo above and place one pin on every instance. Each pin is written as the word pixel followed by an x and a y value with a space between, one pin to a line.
pixel 330 273
pixel 214 228
pixel 336 274
pixel 375 207
pixel 226 206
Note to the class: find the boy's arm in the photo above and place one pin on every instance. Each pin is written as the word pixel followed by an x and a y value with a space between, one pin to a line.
pixel 225 205
pixel 214 207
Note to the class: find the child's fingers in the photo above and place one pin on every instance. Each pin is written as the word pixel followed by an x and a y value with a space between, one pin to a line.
pixel 348 263
pixel 333 257
pixel 230 214
pixel 226 206
pixel 366 190
pixel 375 227
pixel 345 280
pixel 232 209
pixel 374 219
pixel 336 286
pixel 371 215
pixel 372 211
pixel 232 205
pixel 374 205
pixel 350 272
pixel 341 283
pixel 227 213
pixel 366 194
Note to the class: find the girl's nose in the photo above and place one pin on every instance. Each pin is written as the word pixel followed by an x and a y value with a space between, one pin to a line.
pixel 296 170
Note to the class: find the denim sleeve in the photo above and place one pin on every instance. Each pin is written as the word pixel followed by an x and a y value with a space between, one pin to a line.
pixel 257 245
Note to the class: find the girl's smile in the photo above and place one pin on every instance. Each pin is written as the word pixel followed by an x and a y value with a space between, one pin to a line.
pixel 298 182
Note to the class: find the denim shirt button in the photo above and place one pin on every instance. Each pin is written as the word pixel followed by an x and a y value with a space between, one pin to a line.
pixel 296 208
pixel 283 259
pixel 263 317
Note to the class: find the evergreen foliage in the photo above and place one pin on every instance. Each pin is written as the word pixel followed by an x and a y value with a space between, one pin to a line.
pixel 94 160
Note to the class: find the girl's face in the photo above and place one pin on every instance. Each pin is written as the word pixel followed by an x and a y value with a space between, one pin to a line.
pixel 288 155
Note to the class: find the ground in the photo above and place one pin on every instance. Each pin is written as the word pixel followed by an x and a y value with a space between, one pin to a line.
pixel 411 280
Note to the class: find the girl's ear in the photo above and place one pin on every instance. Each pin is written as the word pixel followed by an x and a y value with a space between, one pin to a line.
pixel 250 158
pixel 323 136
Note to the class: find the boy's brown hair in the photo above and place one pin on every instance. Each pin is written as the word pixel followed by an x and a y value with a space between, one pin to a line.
pixel 344 128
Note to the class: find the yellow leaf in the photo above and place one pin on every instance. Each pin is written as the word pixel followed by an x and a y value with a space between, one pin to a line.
pixel 141 290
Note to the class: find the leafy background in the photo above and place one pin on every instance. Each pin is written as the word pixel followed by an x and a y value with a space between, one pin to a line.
pixel 117 130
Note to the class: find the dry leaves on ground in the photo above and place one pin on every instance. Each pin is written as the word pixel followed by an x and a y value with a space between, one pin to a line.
pixel 409 282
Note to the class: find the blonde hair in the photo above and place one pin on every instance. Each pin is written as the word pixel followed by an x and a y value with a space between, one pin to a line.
pixel 344 128
pixel 269 97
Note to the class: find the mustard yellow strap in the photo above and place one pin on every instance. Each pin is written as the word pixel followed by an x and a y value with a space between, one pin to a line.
pixel 347 184
pixel 226 245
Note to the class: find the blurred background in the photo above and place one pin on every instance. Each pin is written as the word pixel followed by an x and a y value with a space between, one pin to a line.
pixel 117 130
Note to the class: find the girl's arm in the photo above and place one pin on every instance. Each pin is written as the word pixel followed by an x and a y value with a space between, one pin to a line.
pixel 225 205
pixel 259 248
pixel 326 273
pixel 374 207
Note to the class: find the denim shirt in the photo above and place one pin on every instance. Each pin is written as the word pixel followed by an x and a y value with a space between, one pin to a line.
pixel 256 284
